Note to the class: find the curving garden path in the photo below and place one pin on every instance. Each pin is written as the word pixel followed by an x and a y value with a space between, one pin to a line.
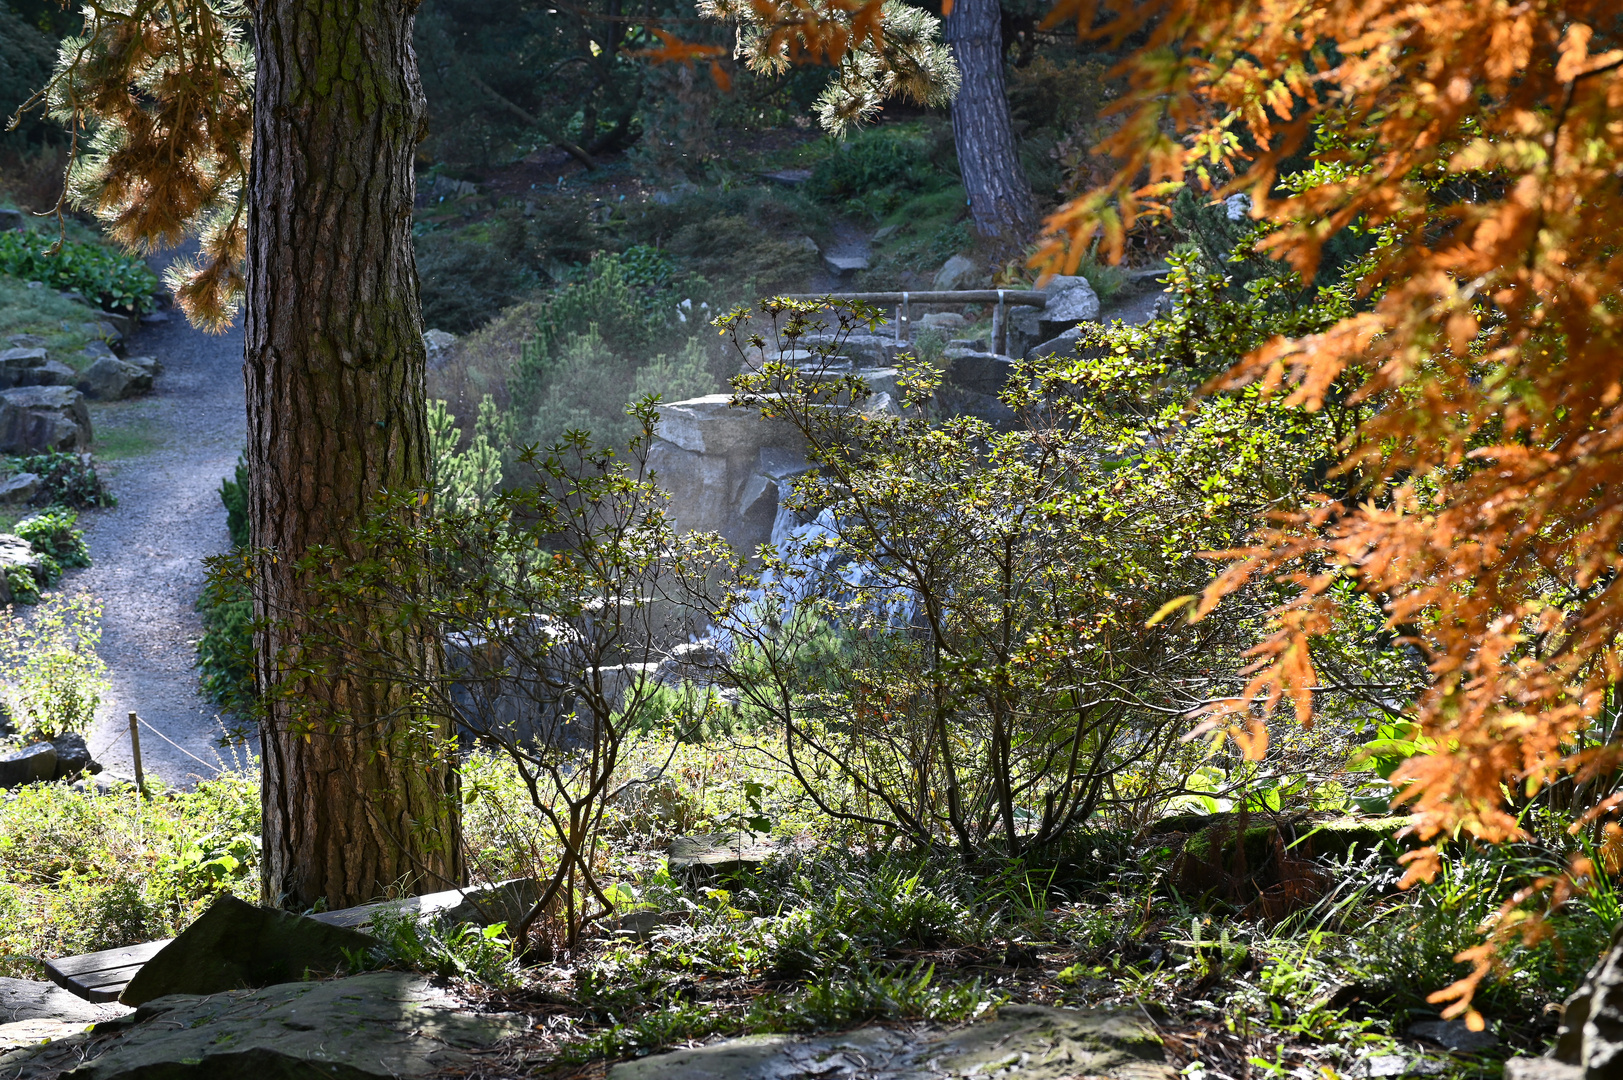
pixel 163 456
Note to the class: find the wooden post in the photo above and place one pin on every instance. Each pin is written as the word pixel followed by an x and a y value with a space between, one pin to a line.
pixel 135 749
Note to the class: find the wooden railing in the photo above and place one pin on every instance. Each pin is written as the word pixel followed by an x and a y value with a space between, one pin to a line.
pixel 1002 298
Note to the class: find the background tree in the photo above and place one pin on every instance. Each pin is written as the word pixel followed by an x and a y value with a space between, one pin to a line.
pixel 315 232
pixel 1478 145
pixel 999 196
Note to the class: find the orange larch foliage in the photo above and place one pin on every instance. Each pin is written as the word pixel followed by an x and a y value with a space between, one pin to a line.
pixel 1482 141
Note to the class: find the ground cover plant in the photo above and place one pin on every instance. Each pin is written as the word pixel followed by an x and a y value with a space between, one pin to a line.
pixel 103 275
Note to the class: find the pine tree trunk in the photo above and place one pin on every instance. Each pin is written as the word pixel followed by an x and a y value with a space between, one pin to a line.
pixel 999 197
pixel 334 369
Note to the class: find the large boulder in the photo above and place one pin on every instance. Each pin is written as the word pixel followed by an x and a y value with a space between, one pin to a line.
pixel 1071 300
pixel 724 468
pixel 235 944
pixel 959 272
pixel 28 765
pixel 19 488
pixel 112 379
pixel 1021 1042
pixel 39 418
pixel 72 756
pixel 385 1025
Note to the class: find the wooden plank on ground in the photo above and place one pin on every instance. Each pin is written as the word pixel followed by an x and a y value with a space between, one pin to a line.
pixel 101 976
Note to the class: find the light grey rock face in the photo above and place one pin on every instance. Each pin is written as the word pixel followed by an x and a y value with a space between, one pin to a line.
pixel 1070 300
pixel 29 765
pixel 51 373
pixel 845 263
pixel 941 320
pixel 17 553
pixel 1591 1035
pixel 236 944
pixel 720 853
pixel 17 364
pixel 112 379
pixel 383 1025
pixel 36 418
pixel 723 468
pixel 1022 1042
pixel 30 366
pixel 958 272
pixel 19 488
pixel 438 344
pixel 1528 1068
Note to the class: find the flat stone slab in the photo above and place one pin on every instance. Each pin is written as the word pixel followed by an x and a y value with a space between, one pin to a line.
pixel 720 853
pixel 385 1024
pixel 25 999
pixel 1022 1042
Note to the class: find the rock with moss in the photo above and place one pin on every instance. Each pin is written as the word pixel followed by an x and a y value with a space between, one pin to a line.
pixel 1021 1042
pixel 385 1024
pixel 35 419
pixel 235 944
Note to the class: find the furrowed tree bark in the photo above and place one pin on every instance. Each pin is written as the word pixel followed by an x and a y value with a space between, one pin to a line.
pixel 356 805
pixel 999 196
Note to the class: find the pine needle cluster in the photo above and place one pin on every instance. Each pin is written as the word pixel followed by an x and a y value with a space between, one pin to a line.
pixel 158 96
pixel 879 49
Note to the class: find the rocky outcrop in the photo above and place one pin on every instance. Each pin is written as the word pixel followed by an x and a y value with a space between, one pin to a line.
pixel 387 1025
pixel 1071 300
pixel 19 488
pixel 1022 1042
pixel 724 468
pixel 234 945
pixel 39 418
pixel 959 272
pixel 31 366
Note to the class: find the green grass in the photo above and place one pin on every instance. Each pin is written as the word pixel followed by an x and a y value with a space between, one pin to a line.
pixel 119 442
pixel 45 313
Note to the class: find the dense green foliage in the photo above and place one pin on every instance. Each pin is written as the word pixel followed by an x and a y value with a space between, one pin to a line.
pixel 65 479
pixel 110 278
pixel 225 651
pixel 52 677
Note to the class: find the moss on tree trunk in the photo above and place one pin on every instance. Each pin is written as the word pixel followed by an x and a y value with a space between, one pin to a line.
pixel 356 802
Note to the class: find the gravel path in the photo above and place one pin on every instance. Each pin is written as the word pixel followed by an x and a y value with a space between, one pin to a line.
pixel 168 453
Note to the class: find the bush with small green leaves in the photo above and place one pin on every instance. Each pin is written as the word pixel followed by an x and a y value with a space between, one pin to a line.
pixel 52 677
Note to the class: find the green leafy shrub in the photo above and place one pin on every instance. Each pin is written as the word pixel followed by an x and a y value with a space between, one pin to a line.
pixel 225 652
pixel 880 168
pixel 448 951
pixel 51 533
pixel 65 479
pixel 53 679
pixel 110 278
pixel 234 494
pixel 82 870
